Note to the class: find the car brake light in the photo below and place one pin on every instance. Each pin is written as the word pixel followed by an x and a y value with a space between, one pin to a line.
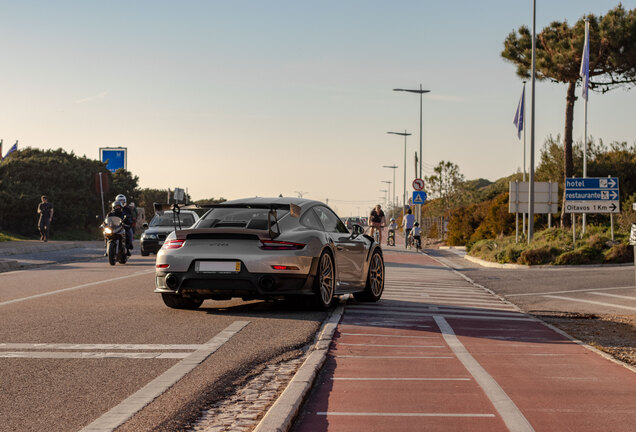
pixel 173 244
pixel 284 267
pixel 162 266
pixel 280 245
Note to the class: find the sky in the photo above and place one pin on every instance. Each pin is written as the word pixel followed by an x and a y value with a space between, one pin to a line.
pixel 251 98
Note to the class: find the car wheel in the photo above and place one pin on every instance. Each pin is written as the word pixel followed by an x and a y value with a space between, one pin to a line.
pixel 176 301
pixel 324 283
pixel 375 280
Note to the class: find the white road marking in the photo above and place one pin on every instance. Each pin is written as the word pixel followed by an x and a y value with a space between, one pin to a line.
pixel 400 379
pixel 568 291
pixel 392 357
pixel 69 346
pixel 458 316
pixel 90 355
pixel 633 298
pixel 591 302
pixel 394 346
pixel 134 403
pixel 510 413
pixel 389 336
pixel 86 285
pixel 375 414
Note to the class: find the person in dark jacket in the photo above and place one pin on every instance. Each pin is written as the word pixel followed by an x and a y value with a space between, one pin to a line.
pixel 45 210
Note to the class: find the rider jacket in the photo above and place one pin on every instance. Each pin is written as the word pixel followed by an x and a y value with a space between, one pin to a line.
pixel 125 217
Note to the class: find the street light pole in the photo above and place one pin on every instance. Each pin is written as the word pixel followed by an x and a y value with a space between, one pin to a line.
pixel 388 201
pixel 393 167
pixel 404 134
pixel 420 91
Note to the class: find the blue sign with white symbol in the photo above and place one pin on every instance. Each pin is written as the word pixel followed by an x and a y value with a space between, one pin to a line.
pixel 114 157
pixel 592 195
pixel 419 197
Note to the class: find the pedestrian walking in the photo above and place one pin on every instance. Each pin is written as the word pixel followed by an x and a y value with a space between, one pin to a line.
pixel 45 210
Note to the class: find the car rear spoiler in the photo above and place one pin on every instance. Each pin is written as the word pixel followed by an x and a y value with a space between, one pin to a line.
pixel 272 217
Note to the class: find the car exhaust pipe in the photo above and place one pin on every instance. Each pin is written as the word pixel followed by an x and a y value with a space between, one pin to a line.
pixel 171 281
pixel 267 282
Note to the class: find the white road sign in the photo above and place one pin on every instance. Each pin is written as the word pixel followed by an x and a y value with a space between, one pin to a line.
pixel 546 197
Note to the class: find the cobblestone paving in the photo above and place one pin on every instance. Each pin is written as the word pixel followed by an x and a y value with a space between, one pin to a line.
pixel 243 411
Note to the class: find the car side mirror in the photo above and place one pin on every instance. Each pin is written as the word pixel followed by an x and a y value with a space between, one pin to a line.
pixel 145 225
pixel 356 230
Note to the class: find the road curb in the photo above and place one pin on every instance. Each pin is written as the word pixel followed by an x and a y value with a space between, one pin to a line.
pixel 280 416
pixel 39 247
pixel 491 264
pixel 8 265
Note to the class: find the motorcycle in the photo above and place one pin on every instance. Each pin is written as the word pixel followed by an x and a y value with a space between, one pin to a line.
pixel 390 241
pixel 115 237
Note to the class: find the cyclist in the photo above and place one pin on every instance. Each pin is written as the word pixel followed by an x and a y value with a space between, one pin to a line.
pixel 377 221
pixel 391 236
pixel 407 222
pixel 416 235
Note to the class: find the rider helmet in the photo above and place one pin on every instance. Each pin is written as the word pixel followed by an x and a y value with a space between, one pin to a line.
pixel 392 219
pixel 116 204
pixel 121 198
pixel 416 224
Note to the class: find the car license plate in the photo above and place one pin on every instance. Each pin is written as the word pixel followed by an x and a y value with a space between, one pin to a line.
pixel 218 266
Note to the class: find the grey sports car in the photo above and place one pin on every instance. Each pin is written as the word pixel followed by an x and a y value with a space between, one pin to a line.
pixel 269 248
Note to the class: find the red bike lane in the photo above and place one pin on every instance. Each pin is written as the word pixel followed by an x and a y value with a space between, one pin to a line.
pixel 438 353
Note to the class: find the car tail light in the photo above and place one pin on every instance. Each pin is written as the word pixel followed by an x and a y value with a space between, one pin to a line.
pixel 162 266
pixel 284 267
pixel 280 245
pixel 173 244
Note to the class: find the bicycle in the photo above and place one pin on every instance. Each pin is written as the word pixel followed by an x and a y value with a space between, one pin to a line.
pixel 390 241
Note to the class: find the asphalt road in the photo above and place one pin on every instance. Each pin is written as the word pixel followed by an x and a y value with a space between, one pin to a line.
pixel 77 339
pixel 584 289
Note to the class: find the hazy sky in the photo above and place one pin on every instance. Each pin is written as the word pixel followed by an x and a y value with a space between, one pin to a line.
pixel 245 98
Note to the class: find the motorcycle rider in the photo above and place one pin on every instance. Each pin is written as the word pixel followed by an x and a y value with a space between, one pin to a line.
pixel 127 221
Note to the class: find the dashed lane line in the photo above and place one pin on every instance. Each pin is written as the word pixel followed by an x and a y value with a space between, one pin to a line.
pixel 568 291
pixel 633 298
pixel 134 403
pixel 86 285
pixel 571 299
pixel 90 355
pixel 70 346
pixel 510 413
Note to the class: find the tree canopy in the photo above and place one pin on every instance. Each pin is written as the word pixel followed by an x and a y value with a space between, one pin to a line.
pixel 559 48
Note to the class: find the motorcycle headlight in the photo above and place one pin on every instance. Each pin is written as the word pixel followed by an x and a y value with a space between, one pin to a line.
pixel 149 236
pixel 108 230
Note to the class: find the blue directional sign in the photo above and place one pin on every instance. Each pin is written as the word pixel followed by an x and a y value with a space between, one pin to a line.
pixel 592 195
pixel 114 157
pixel 419 197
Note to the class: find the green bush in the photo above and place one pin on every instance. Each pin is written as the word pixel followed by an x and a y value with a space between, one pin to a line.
pixel 539 255
pixel 620 253
pixel 581 255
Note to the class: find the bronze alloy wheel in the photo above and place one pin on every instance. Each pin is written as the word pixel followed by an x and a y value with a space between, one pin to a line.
pixel 376 275
pixel 327 280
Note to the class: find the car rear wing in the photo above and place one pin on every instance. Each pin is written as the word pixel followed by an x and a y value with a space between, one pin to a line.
pixel 272 218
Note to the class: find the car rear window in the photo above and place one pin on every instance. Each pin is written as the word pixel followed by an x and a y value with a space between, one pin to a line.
pixel 238 218
pixel 167 219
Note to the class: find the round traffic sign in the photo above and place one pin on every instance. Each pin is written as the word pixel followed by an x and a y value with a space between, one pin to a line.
pixel 418 184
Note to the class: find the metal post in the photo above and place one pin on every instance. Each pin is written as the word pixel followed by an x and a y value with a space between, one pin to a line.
pixel 573 230
pixel 517 211
pixel 612 225
pixel 533 73
pixel 101 189
pixel 524 150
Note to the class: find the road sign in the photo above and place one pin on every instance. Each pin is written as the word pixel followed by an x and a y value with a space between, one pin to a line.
pixel 419 197
pixel 546 197
pixel 592 195
pixel 114 157
pixel 418 184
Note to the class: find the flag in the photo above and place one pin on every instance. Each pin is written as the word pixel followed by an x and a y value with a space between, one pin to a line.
pixel 13 148
pixel 585 62
pixel 519 120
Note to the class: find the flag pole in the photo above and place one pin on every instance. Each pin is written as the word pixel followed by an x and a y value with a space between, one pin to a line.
pixel 585 64
pixel 531 179
pixel 523 229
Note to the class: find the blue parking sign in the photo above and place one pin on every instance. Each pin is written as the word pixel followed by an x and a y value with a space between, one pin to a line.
pixel 114 157
pixel 419 197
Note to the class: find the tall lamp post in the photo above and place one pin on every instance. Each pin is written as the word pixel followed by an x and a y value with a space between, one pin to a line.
pixel 404 134
pixel 393 167
pixel 388 201
pixel 420 91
